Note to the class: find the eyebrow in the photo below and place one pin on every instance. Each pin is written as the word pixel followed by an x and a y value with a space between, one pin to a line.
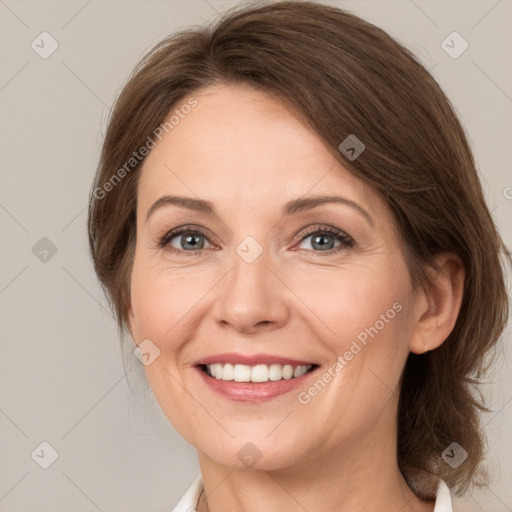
pixel 290 208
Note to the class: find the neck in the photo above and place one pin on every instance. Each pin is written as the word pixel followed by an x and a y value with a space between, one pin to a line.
pixel 357 476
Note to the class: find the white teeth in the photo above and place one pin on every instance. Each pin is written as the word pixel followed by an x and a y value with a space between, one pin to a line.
pixel 225 373
pixel 275 372
pixel 257 373
pixel 288 371
pixel 217 370
pixel 242 373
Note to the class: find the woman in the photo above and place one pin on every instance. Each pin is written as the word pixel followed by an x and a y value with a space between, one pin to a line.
pixel 288 221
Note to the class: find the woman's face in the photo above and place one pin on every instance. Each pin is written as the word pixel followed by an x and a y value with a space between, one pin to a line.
pixel 266 278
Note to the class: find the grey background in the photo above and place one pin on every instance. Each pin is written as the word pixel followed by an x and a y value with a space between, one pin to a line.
pixel 61 366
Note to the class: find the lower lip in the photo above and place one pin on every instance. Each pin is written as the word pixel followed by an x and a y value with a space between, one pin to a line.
pixel 253 392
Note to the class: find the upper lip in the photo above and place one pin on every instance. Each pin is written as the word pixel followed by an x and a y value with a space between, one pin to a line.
pixel 250 360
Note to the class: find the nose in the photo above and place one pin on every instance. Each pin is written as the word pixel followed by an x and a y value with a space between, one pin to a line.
pixel 251 298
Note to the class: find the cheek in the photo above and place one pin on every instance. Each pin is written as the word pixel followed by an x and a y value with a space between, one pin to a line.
pixel 164 299
pixel 153 300
pixel 365 326
pixel 353 303
pixel 373 334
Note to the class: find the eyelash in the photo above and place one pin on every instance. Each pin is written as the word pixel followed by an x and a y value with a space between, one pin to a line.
pixel 345 240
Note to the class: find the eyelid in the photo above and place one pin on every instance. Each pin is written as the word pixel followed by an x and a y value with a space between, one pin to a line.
pixel 323 228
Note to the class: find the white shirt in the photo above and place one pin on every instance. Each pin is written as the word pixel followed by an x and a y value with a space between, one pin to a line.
pixel 188 501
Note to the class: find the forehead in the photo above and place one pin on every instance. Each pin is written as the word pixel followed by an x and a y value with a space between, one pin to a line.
pixel 241 147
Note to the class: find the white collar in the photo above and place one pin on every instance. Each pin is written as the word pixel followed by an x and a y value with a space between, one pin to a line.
pixel 188 501
pixel 443 498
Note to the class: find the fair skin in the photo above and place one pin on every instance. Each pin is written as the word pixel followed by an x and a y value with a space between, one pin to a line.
pixel 248 156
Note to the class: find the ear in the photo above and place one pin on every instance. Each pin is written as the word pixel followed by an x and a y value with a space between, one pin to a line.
pixel 437 309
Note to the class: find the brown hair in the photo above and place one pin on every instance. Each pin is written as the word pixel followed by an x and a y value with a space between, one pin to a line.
pixel 342 76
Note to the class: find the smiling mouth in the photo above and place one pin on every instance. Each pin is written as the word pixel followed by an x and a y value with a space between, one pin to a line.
pixel 258 373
